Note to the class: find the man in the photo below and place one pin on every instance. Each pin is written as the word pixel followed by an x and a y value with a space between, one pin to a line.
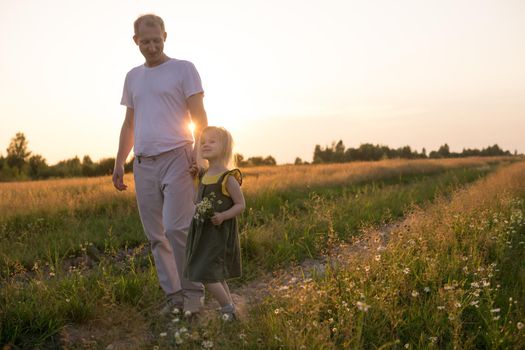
pixel 163 96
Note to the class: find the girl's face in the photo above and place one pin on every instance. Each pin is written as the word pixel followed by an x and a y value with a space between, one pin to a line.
pixel 211 146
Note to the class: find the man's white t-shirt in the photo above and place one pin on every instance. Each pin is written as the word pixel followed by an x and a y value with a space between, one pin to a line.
pixel 158 97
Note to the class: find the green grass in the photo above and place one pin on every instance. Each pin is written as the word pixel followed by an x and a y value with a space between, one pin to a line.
pixel 278 229
pixel 453 278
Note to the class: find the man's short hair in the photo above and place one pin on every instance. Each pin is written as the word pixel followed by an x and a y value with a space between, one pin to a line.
pixel 149 20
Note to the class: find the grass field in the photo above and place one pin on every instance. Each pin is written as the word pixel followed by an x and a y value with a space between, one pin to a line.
pixel 73 259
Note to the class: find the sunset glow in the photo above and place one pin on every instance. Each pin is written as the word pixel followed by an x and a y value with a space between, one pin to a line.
pixel 394 73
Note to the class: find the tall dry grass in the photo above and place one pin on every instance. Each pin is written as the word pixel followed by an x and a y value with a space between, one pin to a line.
pixel 292 176
pixel 72 194
pixel 451 277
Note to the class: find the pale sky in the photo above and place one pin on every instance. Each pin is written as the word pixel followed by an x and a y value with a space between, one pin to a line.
pixel 282 75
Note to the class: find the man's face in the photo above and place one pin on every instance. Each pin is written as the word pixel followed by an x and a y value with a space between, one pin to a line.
pixel 150 40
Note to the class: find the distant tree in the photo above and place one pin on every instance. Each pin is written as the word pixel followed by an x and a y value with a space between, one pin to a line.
pixel 37 167
pixel 105 166
pixel 339 152
pixel 318 156
pixel 88 167
pixel 270 161
pixel 67 168
pixel 444 151
pixel 298 161
pixel 17 152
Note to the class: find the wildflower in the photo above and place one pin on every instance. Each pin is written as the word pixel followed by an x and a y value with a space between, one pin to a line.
pixel 457 304
pixel 207 344
pixel 474 285
pixel 448 287
pixel 183 330
pixel 407 346
pixel 175 320
pixel 485 283
pixel 520 325
pixel 495 310
pixel 178 340
pixel 242 336
pixel 362 306
pixel 204 209
pixel 495 318
pixel 451 317
pixel 427 289
pixel 406 270
pixel 276 311
pixel 163 334
pixel 441 307
pixel 415 293
pixel 51 274
pixel 187 313
pixel 334 330
pixel 377 257
pixel 367 268
pixel 433 340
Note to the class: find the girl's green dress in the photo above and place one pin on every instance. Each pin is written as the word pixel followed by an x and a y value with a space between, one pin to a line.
pixel 213 253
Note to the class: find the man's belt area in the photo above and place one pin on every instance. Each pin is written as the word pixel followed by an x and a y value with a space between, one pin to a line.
pixel 141 158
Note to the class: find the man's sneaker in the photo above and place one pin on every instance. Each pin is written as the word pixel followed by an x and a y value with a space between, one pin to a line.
pixel 172 307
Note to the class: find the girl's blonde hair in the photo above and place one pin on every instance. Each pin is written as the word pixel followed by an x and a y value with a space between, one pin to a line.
pixel 226 140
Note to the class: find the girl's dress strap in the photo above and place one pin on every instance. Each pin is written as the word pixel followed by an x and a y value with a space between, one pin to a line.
pixel 236 173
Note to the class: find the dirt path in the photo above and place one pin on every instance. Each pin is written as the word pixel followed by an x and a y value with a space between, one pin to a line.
pixel 339 254
pixel 116 331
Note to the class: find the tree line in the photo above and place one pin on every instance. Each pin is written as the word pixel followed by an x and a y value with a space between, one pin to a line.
pixel 338 153
pixel 21 164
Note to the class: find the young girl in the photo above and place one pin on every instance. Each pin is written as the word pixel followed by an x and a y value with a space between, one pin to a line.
pixel 212 249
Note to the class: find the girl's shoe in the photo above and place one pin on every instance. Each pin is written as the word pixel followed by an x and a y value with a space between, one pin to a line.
pixel 228 317
pixel 227 313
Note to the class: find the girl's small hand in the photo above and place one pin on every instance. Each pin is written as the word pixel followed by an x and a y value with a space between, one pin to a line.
pixel 217 218
pixel 194 170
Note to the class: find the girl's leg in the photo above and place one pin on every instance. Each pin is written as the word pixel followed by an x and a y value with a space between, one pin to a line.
pixel 227 290
pixel 219 293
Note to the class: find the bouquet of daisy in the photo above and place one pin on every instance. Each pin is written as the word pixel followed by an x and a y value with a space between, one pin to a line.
pixel 204 209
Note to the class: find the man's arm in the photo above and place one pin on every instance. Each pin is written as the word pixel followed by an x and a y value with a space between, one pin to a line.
pixel 198 115
pixel 125 145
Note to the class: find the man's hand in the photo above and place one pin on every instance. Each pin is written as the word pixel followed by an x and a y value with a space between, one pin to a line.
pixel 118 178
pixel 217 218
pixel 193 170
